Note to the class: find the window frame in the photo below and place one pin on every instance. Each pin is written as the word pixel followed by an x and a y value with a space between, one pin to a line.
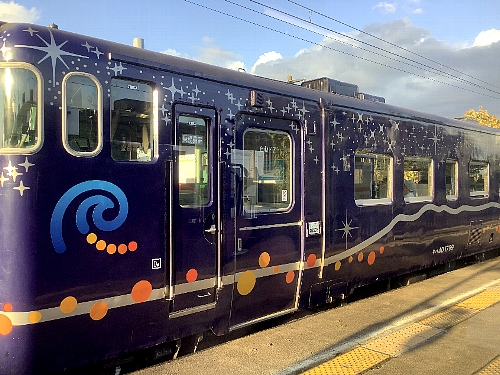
pixel 154 126
pixel 254 209
pixel 40 111
pixel 480 193
pixel 430 180
pixel 390 181
pixel 100 126
pixel 209 126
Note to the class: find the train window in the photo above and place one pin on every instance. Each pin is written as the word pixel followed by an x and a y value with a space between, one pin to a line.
pixel 451 179
pixel 20 109
pixel 82 119
pixel 193 172
pixel 267 184
pixel 372 178
pixel 417 184
pixel 478 179
pixel 132 120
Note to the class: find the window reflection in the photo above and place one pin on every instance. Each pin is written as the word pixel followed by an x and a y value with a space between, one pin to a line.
pixel 19 127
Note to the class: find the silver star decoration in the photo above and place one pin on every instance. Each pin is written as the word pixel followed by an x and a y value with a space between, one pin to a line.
pixel 53 51
pixel 346 229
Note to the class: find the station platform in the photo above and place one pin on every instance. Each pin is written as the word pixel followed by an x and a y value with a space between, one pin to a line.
pixel 447 324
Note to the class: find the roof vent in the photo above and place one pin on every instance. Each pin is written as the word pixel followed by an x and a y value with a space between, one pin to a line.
pixel 53 26
pixel 139 43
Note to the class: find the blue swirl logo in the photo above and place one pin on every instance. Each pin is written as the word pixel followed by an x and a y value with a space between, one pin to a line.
pixel 97 203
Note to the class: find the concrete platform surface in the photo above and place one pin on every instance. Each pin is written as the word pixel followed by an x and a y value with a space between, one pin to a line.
pixel 448 324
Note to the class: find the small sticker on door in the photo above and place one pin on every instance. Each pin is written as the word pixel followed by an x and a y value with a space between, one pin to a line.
pixel 284 195
pixel 156 263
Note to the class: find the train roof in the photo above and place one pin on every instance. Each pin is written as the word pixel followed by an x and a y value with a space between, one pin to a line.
pixel 162 61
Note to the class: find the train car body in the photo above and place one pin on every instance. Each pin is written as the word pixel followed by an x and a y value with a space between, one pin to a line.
pixel 145 198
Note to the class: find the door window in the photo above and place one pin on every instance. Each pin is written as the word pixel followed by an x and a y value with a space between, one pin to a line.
pixel 193 173
pixel 267 185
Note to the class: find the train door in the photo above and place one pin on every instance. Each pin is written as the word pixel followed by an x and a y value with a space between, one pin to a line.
pixel 268 223
pixel 195 227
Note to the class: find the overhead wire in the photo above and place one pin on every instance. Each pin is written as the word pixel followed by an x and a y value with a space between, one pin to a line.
pixel 428 68
pixel 328 47
pixel 390 43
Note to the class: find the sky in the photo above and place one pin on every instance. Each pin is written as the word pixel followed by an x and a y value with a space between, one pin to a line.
pixel 440 57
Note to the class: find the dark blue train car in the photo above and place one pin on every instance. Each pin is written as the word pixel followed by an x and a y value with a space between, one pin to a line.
pixel 146 198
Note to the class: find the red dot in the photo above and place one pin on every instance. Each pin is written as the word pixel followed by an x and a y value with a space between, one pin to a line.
pixel 7 307
pixel 191 275
pixel 141 291
pixel 290 275
pixel 382 249
pixel 311 260
pixel 371 258
pixel 132 246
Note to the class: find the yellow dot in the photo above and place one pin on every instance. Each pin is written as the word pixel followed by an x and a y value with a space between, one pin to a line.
pixel 337 265
pixel 35 317
pixel 264 259
pixel 68 305
pixel 99 310
pixel 246 282
pixel 100 245
pixel 91 238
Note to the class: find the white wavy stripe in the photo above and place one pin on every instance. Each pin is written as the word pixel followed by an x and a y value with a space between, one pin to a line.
pixel 407 218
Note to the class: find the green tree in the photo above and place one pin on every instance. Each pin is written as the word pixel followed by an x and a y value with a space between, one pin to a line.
pixel 483 117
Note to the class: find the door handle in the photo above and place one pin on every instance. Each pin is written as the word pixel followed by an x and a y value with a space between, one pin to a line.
pixel 212 229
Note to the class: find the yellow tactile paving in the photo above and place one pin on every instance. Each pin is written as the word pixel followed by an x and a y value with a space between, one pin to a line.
pixel 449 317
pixel 378 350
pixel 398 342
pixel 492 368
pixel 353 362
pixel 482 300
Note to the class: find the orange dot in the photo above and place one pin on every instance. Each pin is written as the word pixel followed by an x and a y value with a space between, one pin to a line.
pixel 311 260
pixel 99 310
pixel 246 282
pixel 100 245
pixel 132 246
pixel 338 264
pixel 290 275
pixel 141 291
pixel 371 258
pixel 122 249
pixel 360 257
pixel 350 259
pixel 191 275
pixel 5 325
pixel 68 305
pixel 276 269
pixel 264 259
pixel 111 249
pixel 35 317
pixel 91 238
pixel 382 249
pixel 7 307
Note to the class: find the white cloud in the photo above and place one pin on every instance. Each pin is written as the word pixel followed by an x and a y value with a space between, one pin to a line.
pixel 12 12
pixel 212 54
pixel 386 7
pixel 172 52
pixel 426 90
pixel 485 38
pixel 266 58
pixel 418 11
